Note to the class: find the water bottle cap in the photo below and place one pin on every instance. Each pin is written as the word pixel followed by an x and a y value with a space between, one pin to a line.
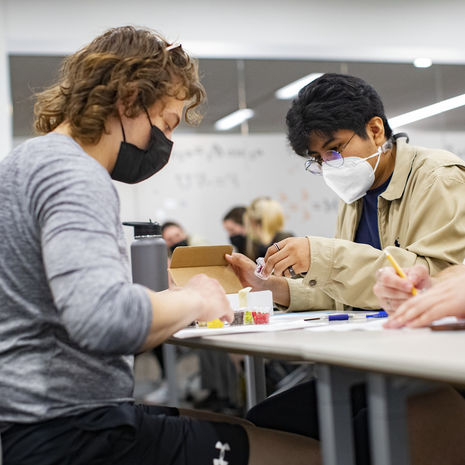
pixel 144 229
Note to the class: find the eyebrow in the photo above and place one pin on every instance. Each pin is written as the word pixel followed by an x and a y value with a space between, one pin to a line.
pixel 327 142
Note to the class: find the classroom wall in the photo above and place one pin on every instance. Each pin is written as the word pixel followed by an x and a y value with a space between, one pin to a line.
pixel 208 174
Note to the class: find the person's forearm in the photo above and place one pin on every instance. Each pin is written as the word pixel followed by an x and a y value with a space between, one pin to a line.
pixel 172 310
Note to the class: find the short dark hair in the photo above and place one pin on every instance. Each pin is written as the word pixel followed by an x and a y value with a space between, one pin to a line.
pixel 236 214
pixel 329 103
pixel 167 224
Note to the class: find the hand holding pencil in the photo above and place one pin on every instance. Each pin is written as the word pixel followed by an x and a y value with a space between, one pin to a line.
pixel 395 285
pixel 399 270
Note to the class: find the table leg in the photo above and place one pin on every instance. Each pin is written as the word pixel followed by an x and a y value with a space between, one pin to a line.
pixel 169 360
pixel 387 401
pixel 254 380
pixel 335 413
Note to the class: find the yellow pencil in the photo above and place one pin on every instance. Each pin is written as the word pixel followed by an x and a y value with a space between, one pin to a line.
pixel 399 270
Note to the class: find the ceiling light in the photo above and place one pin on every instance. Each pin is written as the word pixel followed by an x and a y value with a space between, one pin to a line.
pixel 422 62
pixel 234 119
pixel 426 112
pixel 292 89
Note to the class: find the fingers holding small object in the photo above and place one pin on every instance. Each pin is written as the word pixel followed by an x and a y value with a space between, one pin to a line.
pixel 274 259
pixel 260 269
pixel 272 249
pixel 289 268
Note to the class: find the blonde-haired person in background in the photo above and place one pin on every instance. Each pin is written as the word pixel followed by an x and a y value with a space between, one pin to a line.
pixel 71 318
pixel 264 221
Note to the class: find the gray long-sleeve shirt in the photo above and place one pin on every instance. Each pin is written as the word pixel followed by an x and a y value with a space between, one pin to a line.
pixel 69 315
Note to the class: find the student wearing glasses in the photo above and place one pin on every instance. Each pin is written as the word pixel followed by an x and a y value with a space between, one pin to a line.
pixel 71 319
pixel 393 195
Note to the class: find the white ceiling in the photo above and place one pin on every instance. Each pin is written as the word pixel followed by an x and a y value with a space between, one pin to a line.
pixel 372 30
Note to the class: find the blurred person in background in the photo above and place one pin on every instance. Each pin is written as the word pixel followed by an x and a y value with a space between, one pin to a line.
pixel 233 223
pixel 264 222
pixel 176 236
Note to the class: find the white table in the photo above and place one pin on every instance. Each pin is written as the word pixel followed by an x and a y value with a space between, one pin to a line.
pixel 391 362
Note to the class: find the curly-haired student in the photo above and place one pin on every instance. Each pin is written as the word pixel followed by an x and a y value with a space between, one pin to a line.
pixel 71 319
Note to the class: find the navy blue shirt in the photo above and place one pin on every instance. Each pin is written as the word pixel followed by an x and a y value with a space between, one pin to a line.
pixel 367 230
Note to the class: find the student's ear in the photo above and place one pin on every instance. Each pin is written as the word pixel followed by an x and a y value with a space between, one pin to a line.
pixel 125 105
pixel 375 130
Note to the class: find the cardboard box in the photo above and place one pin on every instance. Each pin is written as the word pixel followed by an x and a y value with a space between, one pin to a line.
pixel 187 262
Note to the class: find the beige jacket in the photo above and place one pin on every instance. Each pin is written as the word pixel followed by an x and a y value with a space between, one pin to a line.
pixel 421 219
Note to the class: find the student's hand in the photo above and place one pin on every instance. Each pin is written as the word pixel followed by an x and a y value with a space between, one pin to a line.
pixel 209 299
pixel 445 298
pixel 392 290
pixel 294 251
pixel 244 269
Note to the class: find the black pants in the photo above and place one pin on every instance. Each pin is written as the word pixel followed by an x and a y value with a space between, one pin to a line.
pixel 296 411
pixel 125 434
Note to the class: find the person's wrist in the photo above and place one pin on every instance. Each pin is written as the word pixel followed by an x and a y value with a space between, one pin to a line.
pixel 194 301
pixel 280 288
pixel 190 300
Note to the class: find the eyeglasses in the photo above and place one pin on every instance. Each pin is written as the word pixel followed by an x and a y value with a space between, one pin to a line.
pixel 332 158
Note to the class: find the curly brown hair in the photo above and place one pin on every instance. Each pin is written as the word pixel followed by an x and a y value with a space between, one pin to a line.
pixel 136 67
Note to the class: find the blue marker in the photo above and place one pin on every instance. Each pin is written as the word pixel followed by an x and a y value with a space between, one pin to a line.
pixel 380 314
pixel 347 316
pixel 334 317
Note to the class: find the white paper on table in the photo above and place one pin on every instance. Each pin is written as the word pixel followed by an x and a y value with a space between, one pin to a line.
pixel 445 321
pixel 370 324
pixel 273 325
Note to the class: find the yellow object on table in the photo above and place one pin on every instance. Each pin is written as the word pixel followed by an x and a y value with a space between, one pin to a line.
pixel 215 323
pixel 248 317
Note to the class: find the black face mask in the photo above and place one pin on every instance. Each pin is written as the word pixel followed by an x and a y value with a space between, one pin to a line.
pixel 134 164
pixel 179 244
pixel 238 241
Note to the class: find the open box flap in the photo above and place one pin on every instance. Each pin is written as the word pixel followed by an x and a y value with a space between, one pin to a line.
pixel 187 262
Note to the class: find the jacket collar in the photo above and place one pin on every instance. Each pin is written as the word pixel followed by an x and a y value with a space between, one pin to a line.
pixel 405 156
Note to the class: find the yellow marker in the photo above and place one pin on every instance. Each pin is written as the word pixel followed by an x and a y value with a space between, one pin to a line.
pixel 243 297
pixel 399 270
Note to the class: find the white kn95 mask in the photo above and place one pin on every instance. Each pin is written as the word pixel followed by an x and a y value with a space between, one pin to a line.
pixel 352 180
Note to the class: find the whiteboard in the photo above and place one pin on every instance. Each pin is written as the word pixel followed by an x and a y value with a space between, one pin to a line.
pixel 209 174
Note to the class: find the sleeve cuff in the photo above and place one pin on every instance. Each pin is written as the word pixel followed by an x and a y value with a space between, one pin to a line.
pixel 321 261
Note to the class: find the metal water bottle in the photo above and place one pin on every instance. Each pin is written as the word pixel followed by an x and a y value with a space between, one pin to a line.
pixel 149 256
